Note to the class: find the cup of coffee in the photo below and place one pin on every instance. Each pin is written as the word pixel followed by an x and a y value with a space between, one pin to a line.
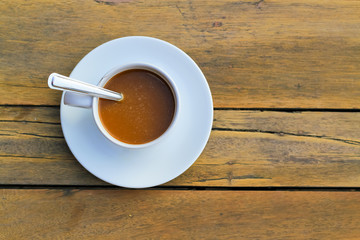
pixel 147 113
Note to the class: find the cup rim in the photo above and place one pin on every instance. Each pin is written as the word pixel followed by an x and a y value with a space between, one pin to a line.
pixel 130 66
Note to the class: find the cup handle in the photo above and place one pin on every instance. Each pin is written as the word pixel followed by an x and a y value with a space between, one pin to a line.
pixel 77 99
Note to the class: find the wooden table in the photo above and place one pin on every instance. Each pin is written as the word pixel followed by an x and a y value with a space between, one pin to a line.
pixel 283 159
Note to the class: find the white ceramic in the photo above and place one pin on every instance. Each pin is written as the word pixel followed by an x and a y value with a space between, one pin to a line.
pixel 80 100
pixel 161 162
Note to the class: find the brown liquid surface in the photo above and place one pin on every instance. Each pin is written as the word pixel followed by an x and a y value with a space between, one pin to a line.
pixel 146 110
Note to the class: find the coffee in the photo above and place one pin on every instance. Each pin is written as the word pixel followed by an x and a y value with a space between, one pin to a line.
pixel 146 111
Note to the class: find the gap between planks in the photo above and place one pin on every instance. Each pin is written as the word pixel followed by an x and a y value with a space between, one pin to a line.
pixel 185 188
pixel 224 109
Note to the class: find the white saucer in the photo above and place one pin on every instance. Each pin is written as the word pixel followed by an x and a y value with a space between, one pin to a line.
pixel 159 163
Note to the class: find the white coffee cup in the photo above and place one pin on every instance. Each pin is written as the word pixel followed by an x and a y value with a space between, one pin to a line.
pixel 86 101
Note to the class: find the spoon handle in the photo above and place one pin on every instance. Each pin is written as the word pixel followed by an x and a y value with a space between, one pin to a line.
pixel 60 82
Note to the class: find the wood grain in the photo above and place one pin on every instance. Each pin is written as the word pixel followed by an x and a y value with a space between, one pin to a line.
pixel 246 148
pixel 255 54
pixel 169 214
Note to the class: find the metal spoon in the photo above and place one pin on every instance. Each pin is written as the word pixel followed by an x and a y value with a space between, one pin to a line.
pixel 60 82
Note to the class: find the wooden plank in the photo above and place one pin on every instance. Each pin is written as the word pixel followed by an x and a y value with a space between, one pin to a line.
pixel 328 125
pixel 169 214
pixel 343 125
pixel 246 148
pixel 255 54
